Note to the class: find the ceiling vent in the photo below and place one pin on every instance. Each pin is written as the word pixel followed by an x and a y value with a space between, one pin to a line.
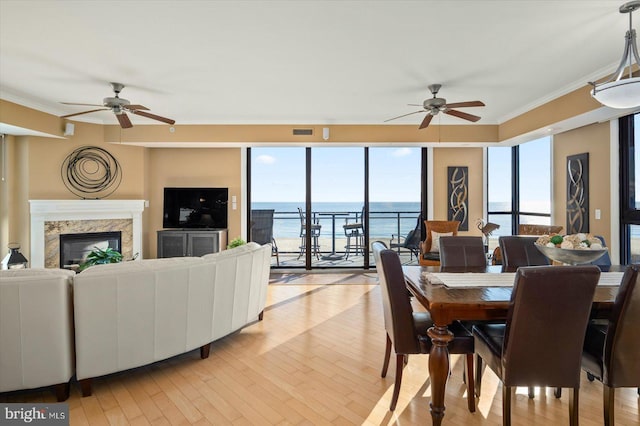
pixel 302 132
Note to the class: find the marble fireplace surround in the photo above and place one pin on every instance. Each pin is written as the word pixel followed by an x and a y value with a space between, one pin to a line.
pixel 49 215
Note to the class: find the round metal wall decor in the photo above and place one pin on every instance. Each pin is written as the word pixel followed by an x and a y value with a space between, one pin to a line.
pixel 91 172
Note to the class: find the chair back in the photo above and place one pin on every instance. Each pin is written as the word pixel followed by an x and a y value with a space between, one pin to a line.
pixel 546 325
pixel 398 314
pixel 622 344
pixel 440 227
pixel 605 259
pixel 262 229
pixel 531 229
pixel 462 252
pixel 412 240
pixel 520 251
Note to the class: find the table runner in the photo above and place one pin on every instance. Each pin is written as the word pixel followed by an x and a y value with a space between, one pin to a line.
pixel 505 279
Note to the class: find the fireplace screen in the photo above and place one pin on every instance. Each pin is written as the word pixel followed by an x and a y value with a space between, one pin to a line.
pixel 74 248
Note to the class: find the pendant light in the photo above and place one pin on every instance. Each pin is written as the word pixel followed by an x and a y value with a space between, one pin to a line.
pixel 621 92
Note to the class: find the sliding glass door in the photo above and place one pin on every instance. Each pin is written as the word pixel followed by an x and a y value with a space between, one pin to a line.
pixel 394 199
pixel 331 185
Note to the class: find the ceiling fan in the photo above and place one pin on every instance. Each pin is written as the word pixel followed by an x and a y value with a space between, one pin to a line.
pixel 435 105
pixel 120 107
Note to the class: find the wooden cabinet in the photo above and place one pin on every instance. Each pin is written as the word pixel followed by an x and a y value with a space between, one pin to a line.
pixel 182 242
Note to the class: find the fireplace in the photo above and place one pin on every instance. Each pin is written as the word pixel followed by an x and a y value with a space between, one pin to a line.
pixel 50 218
pixel 74 248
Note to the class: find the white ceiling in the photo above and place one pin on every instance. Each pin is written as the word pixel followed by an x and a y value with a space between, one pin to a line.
pixel 303 62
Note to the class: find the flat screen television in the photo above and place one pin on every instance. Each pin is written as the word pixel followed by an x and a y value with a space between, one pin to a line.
pixel 195 208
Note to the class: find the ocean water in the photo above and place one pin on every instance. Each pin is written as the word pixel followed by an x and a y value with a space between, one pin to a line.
pixel 384 218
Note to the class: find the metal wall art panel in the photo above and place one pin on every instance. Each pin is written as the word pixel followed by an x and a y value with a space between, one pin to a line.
pixel 578 193
pixel 458 192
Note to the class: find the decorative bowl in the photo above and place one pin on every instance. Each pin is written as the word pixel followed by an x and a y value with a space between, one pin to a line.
pixel 571 256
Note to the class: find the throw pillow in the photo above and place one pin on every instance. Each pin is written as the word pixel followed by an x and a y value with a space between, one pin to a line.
pixel 435 240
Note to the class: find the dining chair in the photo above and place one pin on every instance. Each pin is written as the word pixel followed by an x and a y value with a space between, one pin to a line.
pixel 605 259
pixel 527 229
pixel 314 232
pixel 520 251
pixel 462 252
pixel 406 329
pixel 430 247
pixel 541 342
pixel 611 351
pixel 355 235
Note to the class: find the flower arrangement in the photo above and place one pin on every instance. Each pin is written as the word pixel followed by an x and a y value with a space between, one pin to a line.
pixel 573 241
pixel 236 242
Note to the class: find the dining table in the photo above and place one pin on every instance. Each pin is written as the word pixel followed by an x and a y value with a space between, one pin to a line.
pixel 476 294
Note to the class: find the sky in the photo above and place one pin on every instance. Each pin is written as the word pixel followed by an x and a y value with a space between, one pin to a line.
pixel 337 174
pixel 278 174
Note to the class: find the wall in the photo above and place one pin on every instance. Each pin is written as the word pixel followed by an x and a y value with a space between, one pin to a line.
pixel 470 157
pixel 595 140
pixel 204 167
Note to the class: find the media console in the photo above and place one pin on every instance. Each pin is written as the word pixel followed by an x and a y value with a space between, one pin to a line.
pixel 190 242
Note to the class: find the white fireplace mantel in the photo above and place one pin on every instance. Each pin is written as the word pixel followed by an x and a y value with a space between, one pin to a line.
pixel 57 210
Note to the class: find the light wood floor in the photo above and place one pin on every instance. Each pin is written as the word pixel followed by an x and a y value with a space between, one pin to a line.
pixel 314 360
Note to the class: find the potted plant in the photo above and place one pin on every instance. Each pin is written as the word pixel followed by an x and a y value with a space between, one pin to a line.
pixel 236 242
pixel 99 256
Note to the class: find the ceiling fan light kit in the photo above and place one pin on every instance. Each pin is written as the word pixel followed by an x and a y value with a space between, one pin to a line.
pixel 120 107
pixel 436 105
pixel 619 92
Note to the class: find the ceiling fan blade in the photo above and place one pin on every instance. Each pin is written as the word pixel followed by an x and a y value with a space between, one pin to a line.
pixel 124 121
pixel 132 107
pixel 462 115
pixel 73 103
pixel 83 112
pixel 426 121
pixel 400 116
pixel 420 105
pixel 153 116
pixel 465 104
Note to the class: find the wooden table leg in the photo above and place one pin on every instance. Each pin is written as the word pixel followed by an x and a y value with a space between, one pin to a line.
pixel 438 370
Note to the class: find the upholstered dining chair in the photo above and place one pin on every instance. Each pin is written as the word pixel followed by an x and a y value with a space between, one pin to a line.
pixel 550 305
pixel 525 229
pixel 406 329
pixel 462 252
pixel 430 247
pixel 520 251
pixel 605 259
pixel 612 350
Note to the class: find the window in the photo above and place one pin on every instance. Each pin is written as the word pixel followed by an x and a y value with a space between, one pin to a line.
pixel 629 189
pixel 518 186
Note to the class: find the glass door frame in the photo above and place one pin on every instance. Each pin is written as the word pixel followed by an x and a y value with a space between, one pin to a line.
pixel 308 200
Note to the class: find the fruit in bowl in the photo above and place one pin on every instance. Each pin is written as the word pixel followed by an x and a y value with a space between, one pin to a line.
pixel 574 249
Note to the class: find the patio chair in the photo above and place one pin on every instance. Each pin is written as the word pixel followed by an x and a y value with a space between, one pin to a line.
pixel 355 235
pixel 315 235
pixel 411 242
pixel 262 230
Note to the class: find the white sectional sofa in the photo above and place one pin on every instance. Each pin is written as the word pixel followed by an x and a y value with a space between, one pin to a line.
pixel 124 315
pixel 36 330
pixel 135 313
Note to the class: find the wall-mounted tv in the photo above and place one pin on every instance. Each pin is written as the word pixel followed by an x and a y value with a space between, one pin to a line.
pixel 195 207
